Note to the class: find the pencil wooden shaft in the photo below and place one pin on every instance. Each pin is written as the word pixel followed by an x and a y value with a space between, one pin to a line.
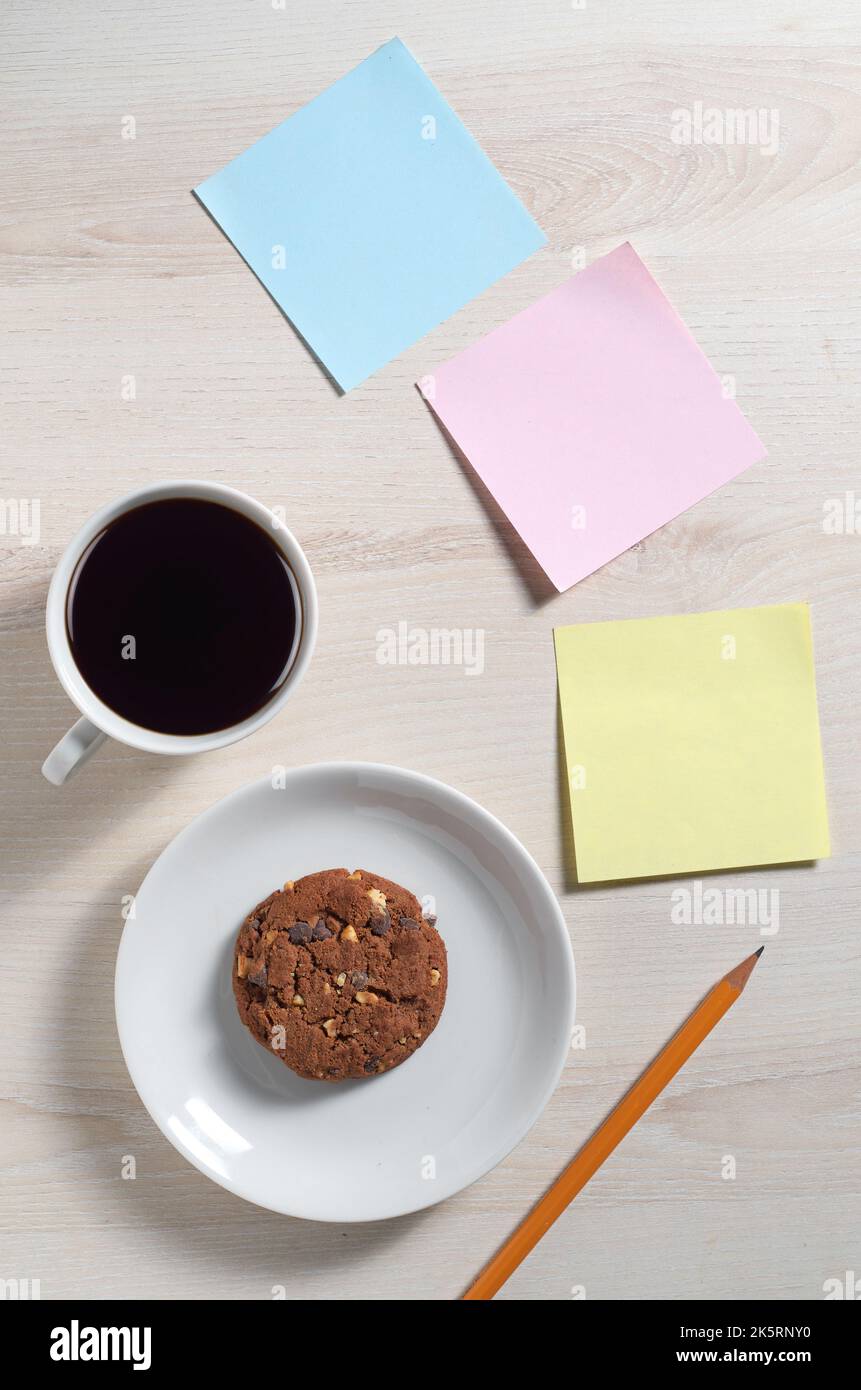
pixel 602 1143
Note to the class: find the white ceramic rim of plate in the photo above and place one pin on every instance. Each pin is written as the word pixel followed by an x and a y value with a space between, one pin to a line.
pixel 527 866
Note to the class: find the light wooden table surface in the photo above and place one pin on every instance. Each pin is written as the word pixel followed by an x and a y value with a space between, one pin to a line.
pixel 111 270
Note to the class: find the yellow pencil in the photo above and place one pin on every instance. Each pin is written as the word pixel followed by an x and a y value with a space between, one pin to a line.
pixel 617 1124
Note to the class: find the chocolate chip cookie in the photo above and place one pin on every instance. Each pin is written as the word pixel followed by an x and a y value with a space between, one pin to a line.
pixel 339 974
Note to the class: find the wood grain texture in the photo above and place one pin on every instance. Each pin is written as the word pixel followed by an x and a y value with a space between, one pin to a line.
pixel 109 268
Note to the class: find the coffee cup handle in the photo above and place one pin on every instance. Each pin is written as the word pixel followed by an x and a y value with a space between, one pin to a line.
pixel 73 750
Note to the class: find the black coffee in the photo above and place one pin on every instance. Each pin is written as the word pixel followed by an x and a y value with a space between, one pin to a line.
pixel 182 616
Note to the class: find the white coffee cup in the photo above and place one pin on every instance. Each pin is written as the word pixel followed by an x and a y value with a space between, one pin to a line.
pixel 98 720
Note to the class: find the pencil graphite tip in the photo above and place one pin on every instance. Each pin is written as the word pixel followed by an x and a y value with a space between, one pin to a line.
pixel 760 951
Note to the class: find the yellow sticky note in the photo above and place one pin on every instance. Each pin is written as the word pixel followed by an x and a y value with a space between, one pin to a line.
pixel 692 742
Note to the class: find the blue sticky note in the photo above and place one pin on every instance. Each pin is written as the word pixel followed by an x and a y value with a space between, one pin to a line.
pixel 371 215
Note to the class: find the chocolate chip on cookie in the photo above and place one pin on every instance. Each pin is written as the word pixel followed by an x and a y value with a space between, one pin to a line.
pixel 257 975
pixel 380 923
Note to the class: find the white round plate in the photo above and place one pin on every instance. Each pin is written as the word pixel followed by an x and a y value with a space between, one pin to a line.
pixel 356 1150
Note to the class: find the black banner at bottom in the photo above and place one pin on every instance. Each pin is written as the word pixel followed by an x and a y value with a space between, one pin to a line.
pixel 157 1337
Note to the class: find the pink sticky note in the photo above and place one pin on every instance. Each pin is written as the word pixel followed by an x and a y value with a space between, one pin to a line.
pixel 592 417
